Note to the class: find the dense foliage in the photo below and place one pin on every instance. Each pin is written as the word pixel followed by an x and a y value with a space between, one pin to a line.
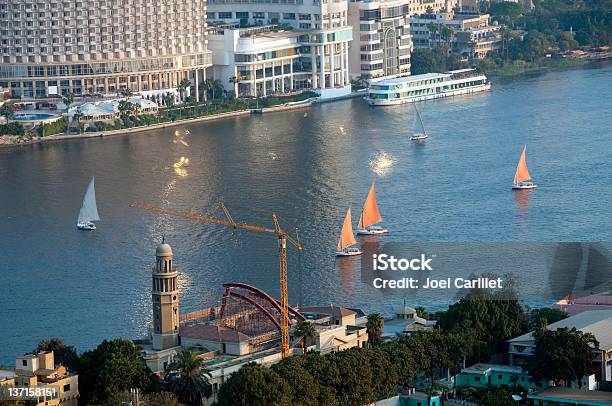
pixel 563 355
pixel 113 367
pixel 65 355
pixel 12 129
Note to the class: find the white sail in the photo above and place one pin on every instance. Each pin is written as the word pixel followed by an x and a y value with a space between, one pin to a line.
pixel 418 127
pixel 89 209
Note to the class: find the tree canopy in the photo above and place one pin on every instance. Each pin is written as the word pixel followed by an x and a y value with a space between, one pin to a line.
pixel 63 354
pixel 562 356
pixel 113 367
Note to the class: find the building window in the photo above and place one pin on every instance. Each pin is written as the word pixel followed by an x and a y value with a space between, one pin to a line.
pixel 305 17
pixel 289 16
pixel 67 387
pixel 259 14
pixel 225 14
pixel 242 14
pixel 477 378
pixel 499 377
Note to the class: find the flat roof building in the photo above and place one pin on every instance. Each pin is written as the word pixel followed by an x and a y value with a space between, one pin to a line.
pixel 99 47
pixel 596 322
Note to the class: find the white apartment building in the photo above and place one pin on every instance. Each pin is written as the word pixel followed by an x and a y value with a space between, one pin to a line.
pixel 418 7
pixel 259 61
pixel 99 47
pixel 382 43
pixel 324 39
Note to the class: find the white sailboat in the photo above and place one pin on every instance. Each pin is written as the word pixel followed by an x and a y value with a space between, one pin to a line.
pixel 419 133
pixel 89 210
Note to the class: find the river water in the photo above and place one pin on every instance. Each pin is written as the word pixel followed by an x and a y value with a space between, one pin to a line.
pixel 309 165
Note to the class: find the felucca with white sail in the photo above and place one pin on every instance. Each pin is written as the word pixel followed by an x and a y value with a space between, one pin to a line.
pixel 347 239
pixel 370 216
pixel 89 210
pixel 522 178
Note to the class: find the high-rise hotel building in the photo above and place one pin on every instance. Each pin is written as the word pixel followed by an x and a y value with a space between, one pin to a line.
pixel 323 44
pixel 99 47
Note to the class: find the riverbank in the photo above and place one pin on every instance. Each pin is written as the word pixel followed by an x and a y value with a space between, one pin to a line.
pixel 13 141
pixel 517 68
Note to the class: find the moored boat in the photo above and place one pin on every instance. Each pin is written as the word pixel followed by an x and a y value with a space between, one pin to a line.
pixel 370 216
pixel 409 89
pixel 522 178
pixel 347 239
pixel 89 209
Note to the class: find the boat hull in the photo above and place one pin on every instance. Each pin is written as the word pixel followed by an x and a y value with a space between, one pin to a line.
pixel 418 138
pixel 372 231
pixel 86 226
pixel 350 252
pixel 524 186
pixel 448 93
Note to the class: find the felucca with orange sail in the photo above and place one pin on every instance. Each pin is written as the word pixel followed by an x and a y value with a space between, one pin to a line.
pixel 522 178
pixel 347 239
pixel 370 215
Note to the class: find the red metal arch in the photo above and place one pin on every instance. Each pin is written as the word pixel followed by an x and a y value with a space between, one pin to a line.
pixel 262 295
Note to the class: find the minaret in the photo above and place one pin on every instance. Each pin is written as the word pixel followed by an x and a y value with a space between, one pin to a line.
pixel 165 300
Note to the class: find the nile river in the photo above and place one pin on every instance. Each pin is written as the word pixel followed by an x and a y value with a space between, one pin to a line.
pixel 309 165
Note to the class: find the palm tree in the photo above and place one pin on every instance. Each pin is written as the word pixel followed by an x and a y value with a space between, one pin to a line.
pixel 306 331
pixel 182 87
pixel 68 99
pixel 127 92
pixel 78 115
pixel 189 381
pixel 374 327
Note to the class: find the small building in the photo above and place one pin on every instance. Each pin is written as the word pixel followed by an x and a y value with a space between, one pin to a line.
pixel 57 386
pixel 486 375
pixel 596 322
pixel 560 396
pixel 108 110
pixel 406 320
pixel 575 305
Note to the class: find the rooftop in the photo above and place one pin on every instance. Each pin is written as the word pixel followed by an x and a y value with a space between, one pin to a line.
pixel 336 311
pixel 411 78
pixel 597 322
pixel 212 332
pixel 484 368
pixel 568 394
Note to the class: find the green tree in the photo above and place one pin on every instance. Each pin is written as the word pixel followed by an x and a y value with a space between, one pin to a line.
pixel 549 315
pixel 506 12
pixel 306 331
pixel 160 399
pixel 535 45
pixel 68 99
pixel 182 88
pixel 77 117
pixel 355 384
pixel 497 397
pixel 7 110
pixel 112 367
pixel 421 312
pixel 306 389
pixel 63 354
pixel 127 93
pixel 374 328
pixel 188 379
pixel 427 60
pixel 326 372
pixel 254 385
pixel 562 356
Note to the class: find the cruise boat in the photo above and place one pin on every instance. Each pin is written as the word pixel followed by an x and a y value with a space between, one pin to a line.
pixel 428 86
pixel 370 216
pixel 347 239
pixel 522 178
pixel 89 210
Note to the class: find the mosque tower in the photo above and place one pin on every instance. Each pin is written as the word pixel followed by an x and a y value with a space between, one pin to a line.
pixel 165 300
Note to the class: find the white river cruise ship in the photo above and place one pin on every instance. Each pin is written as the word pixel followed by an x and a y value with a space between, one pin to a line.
pixel 409 89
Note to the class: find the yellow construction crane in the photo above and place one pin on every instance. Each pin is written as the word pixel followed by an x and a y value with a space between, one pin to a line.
pixel 282 236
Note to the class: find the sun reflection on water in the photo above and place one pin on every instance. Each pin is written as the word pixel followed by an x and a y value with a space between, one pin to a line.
pixel 382 163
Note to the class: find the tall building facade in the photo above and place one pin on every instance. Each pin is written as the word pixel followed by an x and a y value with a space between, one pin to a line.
pixel 99 47
pixel 165 298
pixel 323 43
pixel 383 44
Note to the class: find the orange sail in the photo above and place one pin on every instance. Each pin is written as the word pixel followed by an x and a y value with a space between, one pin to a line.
pixel 370 214
pixel 347 238
pixel 522 174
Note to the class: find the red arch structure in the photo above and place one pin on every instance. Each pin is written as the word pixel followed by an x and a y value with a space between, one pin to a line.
pixel 242 298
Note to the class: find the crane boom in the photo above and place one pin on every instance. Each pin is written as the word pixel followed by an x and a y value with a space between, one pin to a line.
pixel 282 236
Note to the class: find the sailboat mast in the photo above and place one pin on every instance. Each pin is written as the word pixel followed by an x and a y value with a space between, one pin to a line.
pixel 420 120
